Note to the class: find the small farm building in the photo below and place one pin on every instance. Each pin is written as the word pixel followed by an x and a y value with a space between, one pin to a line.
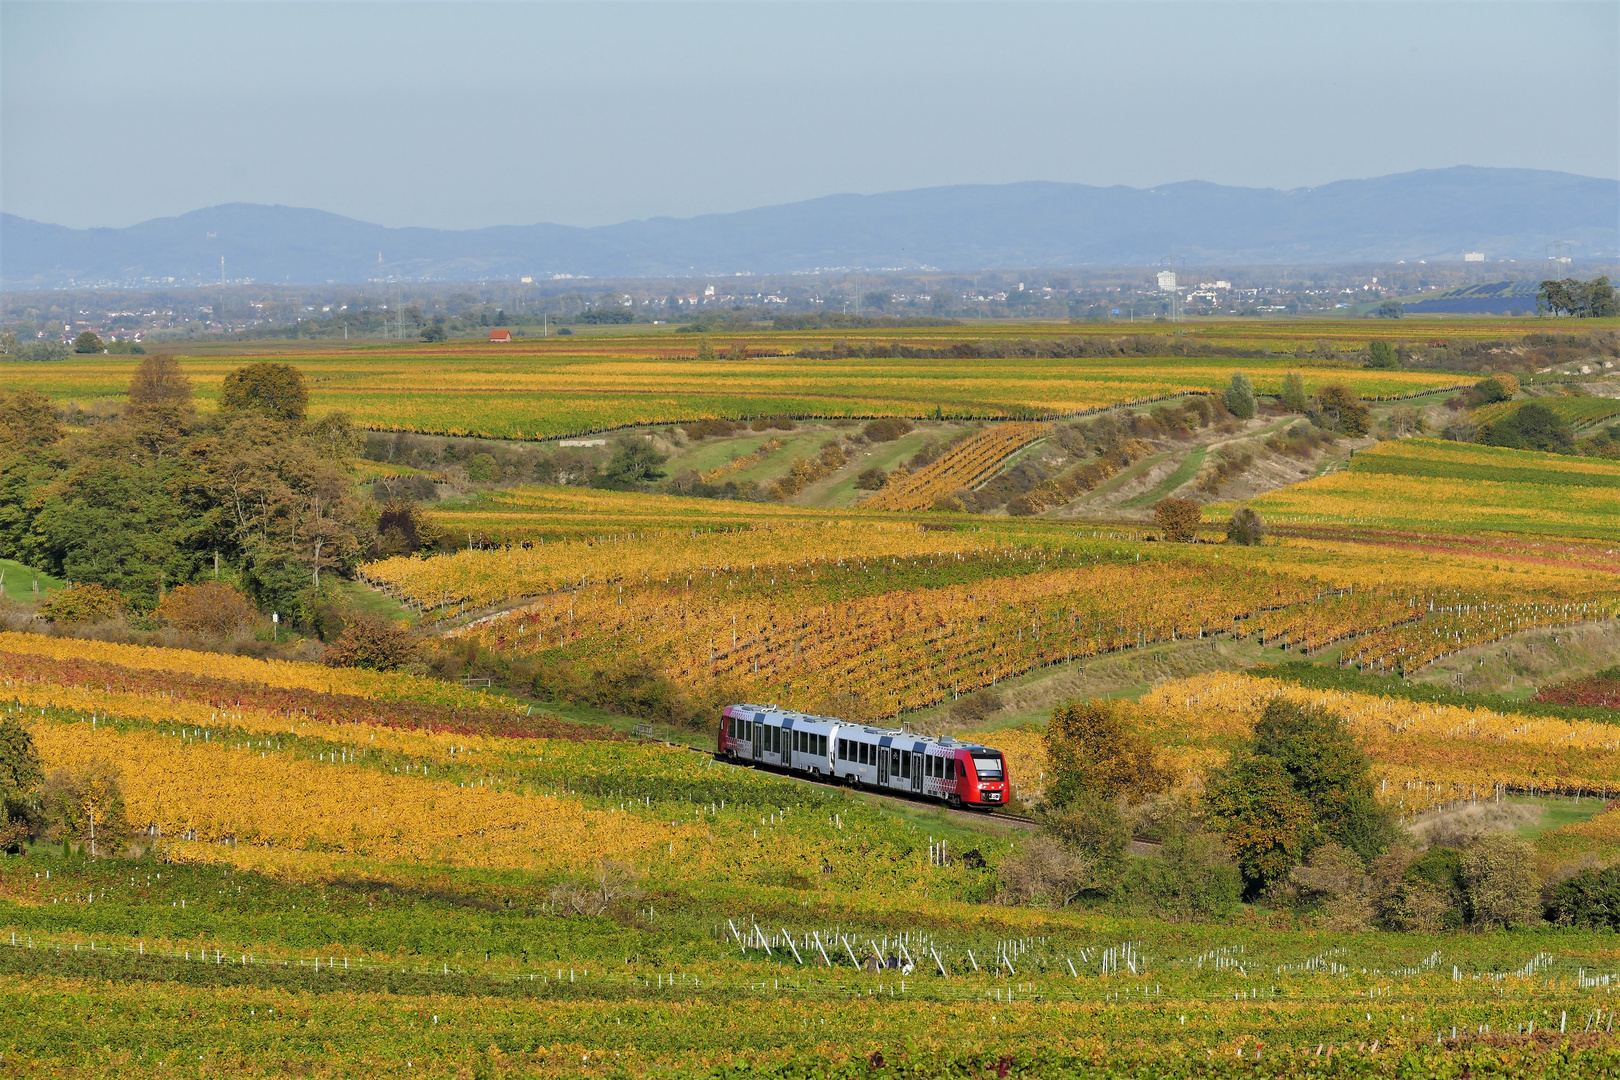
pixel 500 335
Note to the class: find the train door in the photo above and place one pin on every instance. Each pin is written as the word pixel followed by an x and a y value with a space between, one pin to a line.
pixel 882 764
pixel 786 735
pixel 916 772
pixel 759 738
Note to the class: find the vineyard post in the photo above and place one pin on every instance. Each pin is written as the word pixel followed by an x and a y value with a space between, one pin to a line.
pixel 789 939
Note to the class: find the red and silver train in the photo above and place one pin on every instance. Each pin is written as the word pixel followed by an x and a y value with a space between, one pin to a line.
pixel 962 774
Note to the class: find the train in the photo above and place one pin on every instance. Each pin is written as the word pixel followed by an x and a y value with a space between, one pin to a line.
pixel 937 768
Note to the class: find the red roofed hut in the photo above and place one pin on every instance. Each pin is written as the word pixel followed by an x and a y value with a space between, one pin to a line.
pixel 501 335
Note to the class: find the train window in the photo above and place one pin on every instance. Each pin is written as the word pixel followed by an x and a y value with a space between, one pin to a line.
pixel 950 769
pixel 988 768
pixel 905 766
pixel 862 752
pixel 843 749
pixel 821 744
pixel 776 740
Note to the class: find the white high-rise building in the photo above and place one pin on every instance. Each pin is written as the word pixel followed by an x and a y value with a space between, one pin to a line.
pixel 1167 281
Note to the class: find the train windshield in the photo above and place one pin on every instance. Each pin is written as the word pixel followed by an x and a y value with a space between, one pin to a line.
pixel 988 768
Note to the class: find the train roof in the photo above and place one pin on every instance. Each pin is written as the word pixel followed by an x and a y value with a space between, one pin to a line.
pixel 944 742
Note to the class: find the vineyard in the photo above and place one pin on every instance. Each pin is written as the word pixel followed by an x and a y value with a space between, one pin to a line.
pixel 543 390
pixel 378 898
pixel 963 467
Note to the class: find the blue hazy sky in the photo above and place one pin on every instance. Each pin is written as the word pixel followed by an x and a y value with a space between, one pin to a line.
pixel 467 114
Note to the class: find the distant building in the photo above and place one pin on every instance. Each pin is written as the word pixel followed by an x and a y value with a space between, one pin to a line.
pixel 1473 256
pixel 1167 280
pixel 503 336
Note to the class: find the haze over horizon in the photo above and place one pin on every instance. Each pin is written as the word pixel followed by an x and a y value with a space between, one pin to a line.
pixel 461 116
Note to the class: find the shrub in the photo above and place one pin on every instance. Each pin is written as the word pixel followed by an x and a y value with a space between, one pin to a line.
pixel 702 429
pixel 1432 894
pixel 1335 879
pixel 1500 876
pixel 778 423
pixel 1590 899
pixel 1090 749
pixel 1043 872
pixel 20 777
pixel 483 468
pixel 1381 354
pixel 871 479
pixel 976 708
pixel 1531 426
pixel 1192 876
pixel 1245 528
pixel 210 608
pixel 83 602
pixel 370 642
pixel 886 429
pixel 1179 518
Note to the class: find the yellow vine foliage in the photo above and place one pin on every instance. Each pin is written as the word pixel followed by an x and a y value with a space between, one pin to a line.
pixel 286 674
pixel 961 467
pixel 217 803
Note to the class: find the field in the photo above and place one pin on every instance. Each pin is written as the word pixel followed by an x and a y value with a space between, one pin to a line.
pixel 1452 488
pixel 323 871
pixel 547 389
pixel 1579 411
pixel 357 898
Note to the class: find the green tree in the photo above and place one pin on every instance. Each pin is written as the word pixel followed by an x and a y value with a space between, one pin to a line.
pixel 1239 396
pixel 1090 749
pixel 335 438
pixel 1381 354
pixel 1390 309
pixel 87 342
pixel 159 383
pixel 634 462
pixel 705 351
pixel 435 330
pixel 26 420
pixel 273 390
pixel 1532 426
pixel 1267 823
pixel 1293 397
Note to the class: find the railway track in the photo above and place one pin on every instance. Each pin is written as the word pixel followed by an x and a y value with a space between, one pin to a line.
pixel 1015 820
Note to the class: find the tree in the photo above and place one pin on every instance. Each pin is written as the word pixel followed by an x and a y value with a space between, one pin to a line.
pixel 1499 872
pixel 1293 396
pixel 26 419
pixel 1245 528
pixel 1179 518
pixel 209 608
pixel 373 643
pixel 1381 354
pixel 1090 750
pixel 434 331
pixel 1390 309
pixel 634 462
pixel 273 390
pixel 335 438
pixel 1532 426
pixel 158 382
pixel 1493 389
pixel 1590 899
pixel 871 479
pixel 87 342
pixel 1329 771
pixel 1265 820
pixel 705 351
pixel 1239 396
pixel 1339 408
pixel 83 602
pixel 87 805
pixel 20 777
pixel 1300 782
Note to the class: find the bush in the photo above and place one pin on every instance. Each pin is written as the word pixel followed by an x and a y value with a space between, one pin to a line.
pixel 1432 895
pixel 1192 877
pixel 1245 528
pixel 1531 426
pixel 1293 396
pixel 1381 354
pixel 83 602
pixel 976 708
pixel 887 429
pixel 871 479
pixel 1179 518
pixel 371 642
pixel 702 429
pixel 1495 389
pixel 1335 879
pixel 1340 409
pixel 483 469
pixel 777 423
pixel 1590 899
pixel 1042 872
pixel 20 777
pixel 1500 875
pixel 210 608
pixel 1090 750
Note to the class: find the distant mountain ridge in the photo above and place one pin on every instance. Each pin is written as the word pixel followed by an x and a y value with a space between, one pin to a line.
pixel 1432 214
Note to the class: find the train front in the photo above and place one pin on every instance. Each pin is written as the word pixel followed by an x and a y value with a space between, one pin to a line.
pixel 983 777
